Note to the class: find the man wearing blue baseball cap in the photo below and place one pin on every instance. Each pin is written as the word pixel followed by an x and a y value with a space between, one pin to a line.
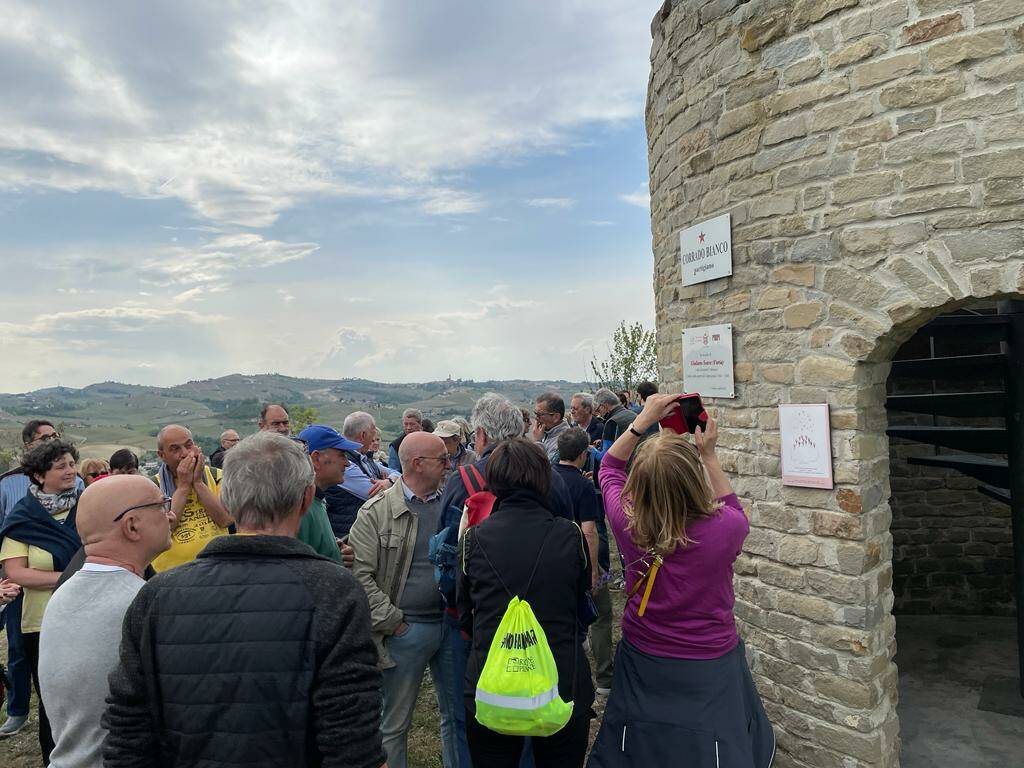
pixel 326 450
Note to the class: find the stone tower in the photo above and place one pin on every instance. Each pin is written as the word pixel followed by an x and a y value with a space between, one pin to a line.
pixel 871 154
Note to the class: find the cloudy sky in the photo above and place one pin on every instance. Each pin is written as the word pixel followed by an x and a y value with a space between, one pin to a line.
pixel 385 189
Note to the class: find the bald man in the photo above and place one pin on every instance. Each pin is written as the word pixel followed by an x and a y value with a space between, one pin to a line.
pixel 124 522
pixel 391 539
pixel 228 439
pixel 194 488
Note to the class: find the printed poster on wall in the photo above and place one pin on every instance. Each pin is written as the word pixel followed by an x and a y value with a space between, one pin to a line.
pixel 806 446
pixel 707 361
pixel 705 250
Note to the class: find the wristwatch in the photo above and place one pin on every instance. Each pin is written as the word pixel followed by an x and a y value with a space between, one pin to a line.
pixel 638 434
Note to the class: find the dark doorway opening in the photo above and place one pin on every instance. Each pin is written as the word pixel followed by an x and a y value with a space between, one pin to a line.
pixel 954 402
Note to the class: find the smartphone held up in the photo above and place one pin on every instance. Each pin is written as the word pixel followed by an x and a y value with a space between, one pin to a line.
pixel 687 417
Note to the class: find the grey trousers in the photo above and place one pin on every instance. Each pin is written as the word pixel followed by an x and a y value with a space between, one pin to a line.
pixel 601 638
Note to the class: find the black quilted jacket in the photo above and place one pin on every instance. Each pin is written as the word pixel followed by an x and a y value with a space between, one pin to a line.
pixel 258 653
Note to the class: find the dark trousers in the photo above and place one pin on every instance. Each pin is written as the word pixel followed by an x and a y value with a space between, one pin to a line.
pixel 565 749
pixel 32 654
pixel 17 664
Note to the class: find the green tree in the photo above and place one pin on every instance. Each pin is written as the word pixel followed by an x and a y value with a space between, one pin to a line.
pixel 632 358
pixel 302 417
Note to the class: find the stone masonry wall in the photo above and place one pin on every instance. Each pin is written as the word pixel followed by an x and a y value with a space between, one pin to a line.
pixel 871 153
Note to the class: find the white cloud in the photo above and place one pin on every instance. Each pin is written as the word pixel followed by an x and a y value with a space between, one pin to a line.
pixel 210 263
pixel 551 202
pixel 242 111
pixel 641 198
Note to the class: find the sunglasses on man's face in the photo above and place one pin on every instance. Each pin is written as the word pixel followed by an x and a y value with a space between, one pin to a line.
pixel 94 475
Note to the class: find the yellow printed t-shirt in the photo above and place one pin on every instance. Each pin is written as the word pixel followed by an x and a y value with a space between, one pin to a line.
pixel 35 599
pixel 195 530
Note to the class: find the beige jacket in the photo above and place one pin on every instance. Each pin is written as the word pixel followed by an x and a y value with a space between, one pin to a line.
pixel 383 537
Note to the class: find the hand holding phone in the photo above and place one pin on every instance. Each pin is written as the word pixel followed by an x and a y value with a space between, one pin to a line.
pixel 687 417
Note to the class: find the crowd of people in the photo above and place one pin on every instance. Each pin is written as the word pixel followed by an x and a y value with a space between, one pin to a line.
pixel 281 601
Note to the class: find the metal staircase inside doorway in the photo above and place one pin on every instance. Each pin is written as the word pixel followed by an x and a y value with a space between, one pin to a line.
pixel 982 379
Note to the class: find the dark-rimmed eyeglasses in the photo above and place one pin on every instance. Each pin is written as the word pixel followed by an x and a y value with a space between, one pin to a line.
pixel 94 475
pixel 166 504
pixel 44 438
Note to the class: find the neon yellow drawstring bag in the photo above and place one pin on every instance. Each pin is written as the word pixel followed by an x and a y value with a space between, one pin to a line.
pixel 517 693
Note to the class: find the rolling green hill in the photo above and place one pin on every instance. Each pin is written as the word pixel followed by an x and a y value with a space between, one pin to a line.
pixel 103 417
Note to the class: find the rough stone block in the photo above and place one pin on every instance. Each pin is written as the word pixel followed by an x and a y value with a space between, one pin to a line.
pixel 783 130
pixel 735 302
pixel 809 93
pixel 915 121
pixel 881 71
pixel 868 158
pixel 932 29
pixel 882 237
pixel 980 106
pixel 814 197
pixel 736 120
pixel 986 244
pixel 797 274
pixel 817 248
pixel 775 297
pixel 914 91
pixel 825 371
pixel 931 201
pixel 807 607
pixel 796 226
pixel 1001 164
pixel 807 12
pixel 802 71
pixel 785 52
pixel 752 187
pixel 752 87
pixel 763 30
pixel 1003 129
pixel 773 206
pixel 844 112
pixel 1005 69
pixel 737 146
pixel 802 315
pixel 991 11
pixel 816 168
pixel 790 152
pixel 873 133
pixel 864 48
pixel 864 186
pixel 952 139
pixel 980 45
pixel 927 174
pixel 1002 191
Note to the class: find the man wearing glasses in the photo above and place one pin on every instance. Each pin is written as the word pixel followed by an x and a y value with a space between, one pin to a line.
pixel 391 539
pixel 550 414
pixel 194 489
pixel 13 487
pixel 124 522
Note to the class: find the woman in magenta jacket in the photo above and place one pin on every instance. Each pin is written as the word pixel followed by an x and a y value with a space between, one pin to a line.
pixel 681 684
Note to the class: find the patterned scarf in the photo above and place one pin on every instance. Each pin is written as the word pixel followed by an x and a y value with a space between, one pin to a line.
pixel 55 503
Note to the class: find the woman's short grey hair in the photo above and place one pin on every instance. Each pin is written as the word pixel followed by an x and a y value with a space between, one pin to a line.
pixel 497 417
pixel 414 413
pixel 356 423
pixel 586 399
pixel 265 476
pixel 605 396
